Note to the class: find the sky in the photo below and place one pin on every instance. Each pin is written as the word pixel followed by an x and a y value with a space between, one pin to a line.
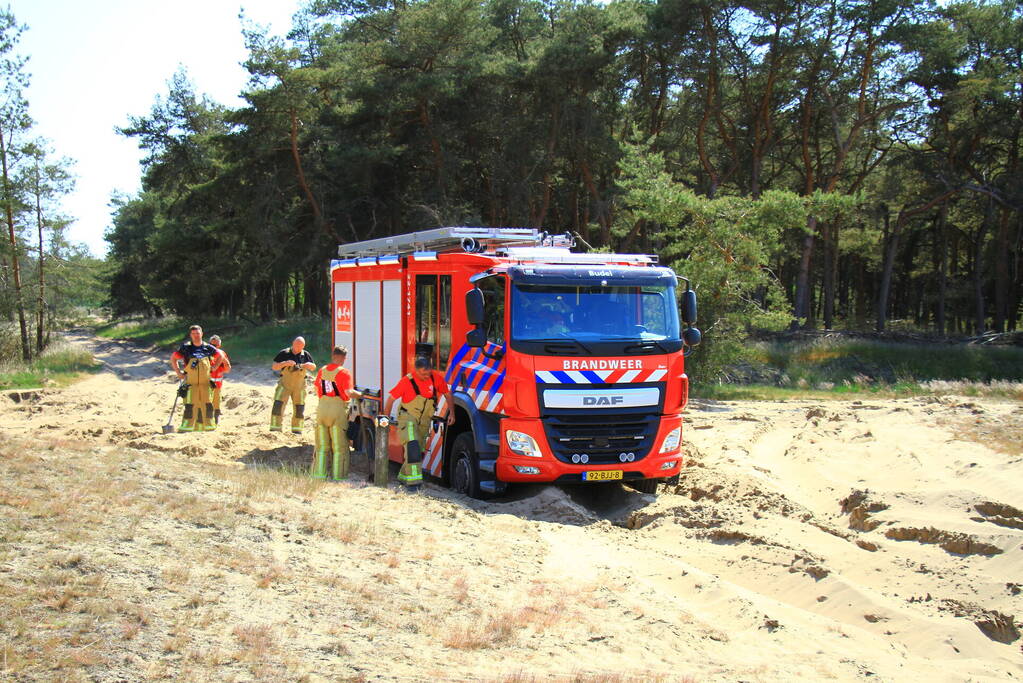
pixel 94 63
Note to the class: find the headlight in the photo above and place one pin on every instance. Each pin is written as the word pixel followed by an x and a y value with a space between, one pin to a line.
pixel 521 444
pixel 671 441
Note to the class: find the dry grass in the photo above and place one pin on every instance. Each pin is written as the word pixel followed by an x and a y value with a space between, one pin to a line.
pixel 269 484
pixel 271 573
pixel 592 677
pixel 149 564
pixel 1003 434
pixel 256 641
pixel 500 627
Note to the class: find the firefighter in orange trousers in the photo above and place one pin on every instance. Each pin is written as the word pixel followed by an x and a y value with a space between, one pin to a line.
pixel 334 389
pixel 217 375
pixel 293 363
pixel 418 392
pixel 199 359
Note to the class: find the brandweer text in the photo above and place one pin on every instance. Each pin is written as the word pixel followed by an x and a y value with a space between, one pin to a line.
pixel 623 364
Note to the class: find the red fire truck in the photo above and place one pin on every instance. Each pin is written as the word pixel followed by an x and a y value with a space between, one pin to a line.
pixel 563 366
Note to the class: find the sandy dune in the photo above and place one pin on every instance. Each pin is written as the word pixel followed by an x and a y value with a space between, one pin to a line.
pixel 862 539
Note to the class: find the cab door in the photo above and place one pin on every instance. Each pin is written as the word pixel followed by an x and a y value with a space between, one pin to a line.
pixel 433 340
pixel 433 319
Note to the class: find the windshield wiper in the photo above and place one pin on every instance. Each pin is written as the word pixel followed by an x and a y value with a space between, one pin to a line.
pixel 646 344
pixel 562 340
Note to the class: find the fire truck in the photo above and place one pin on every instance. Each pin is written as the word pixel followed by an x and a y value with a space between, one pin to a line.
pixel 562 366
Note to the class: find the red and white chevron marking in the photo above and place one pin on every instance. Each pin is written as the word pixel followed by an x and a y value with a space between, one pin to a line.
pixel 599 376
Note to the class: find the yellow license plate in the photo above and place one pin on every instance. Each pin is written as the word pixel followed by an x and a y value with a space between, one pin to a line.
pixel 602 475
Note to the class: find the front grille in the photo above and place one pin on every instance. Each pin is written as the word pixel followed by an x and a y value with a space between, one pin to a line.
pixel 602 437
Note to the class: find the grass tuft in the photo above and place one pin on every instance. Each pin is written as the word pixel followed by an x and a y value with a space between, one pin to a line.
pixel 58 365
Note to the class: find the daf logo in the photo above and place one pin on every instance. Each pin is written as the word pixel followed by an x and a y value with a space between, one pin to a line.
pixel 603 400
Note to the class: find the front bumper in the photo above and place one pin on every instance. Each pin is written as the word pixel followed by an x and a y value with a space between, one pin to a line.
pixel 550 469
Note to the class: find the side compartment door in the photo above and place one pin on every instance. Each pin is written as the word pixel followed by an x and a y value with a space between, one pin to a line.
pixel 344 317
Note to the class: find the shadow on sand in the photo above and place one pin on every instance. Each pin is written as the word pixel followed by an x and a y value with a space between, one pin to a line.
pixel 579 505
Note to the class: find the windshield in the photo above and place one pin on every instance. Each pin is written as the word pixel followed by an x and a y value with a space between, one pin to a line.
pixel 591 312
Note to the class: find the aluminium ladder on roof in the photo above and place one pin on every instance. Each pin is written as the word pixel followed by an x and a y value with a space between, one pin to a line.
pixel 440 239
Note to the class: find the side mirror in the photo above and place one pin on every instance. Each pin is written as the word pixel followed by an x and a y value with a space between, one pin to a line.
pixel 689 307
pixel 692 336
pixel 474 306
pixel 476 338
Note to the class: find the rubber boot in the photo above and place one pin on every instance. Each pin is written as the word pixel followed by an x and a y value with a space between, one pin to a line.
pixel 186 414
pixel 275 416
pixel 339 446
pixel 320 457
pixel 211 423
pixel 411 474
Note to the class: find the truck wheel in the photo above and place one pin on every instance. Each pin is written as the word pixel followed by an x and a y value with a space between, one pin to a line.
pixel 645 485
pixel 367 444
pixel 367 438
pixel 465 473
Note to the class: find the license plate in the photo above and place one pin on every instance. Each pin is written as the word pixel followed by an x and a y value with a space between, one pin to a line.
pixel 602 475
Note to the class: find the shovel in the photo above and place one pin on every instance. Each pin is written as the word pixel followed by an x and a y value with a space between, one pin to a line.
pixel 169 428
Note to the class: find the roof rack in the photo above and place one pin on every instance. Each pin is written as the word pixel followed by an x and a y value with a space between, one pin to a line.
pixel 472 240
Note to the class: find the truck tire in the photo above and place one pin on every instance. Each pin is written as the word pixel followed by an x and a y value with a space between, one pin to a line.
pixel 465 472
pixel 367 444
pixel 645 485
pixel 367 438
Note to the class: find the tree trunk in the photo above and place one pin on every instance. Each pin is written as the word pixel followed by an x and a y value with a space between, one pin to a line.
pixel 801 307
pixel 26 350
pixel 980 317
pixel 1002 284
pixel 40 324
pixel 828 233
pixel 891 248
pixel 1017 273
pixel 941 242
pixel 860 305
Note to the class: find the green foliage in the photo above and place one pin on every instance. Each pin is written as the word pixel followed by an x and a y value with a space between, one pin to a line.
pixel 58 365
pixel 840 163
pixel 868 362
pixel 247 345
pixel 826 368
pixel 724 246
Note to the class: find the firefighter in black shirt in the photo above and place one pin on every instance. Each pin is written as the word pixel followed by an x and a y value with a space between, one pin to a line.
pixel 293 363
pixel 199 359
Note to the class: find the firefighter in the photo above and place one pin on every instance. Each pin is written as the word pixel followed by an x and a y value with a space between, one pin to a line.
pixel 334 389
pixel 217 375
pixel 418 392
pixel 293 363
pixel 199 360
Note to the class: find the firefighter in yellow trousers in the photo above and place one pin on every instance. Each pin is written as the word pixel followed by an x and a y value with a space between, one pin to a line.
pixel 293 363
pixel 200 359
pixel 334 390
pixel 418 392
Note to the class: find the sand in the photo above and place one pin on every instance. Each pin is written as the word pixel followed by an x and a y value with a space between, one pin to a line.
pixel 874 539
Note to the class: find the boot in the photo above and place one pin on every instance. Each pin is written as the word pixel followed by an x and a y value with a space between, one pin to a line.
pixel 275 416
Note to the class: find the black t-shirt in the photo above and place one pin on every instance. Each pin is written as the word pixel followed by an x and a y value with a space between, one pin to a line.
pixel 300 358
pixel 188 351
